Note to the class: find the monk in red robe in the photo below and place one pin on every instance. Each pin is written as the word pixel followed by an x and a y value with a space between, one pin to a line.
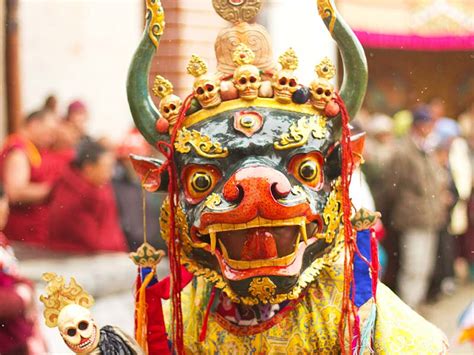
pixel 83 212
pixel 28 176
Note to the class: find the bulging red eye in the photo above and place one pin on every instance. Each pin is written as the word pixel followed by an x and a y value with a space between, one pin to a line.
pixel 199 181
pixel 307 168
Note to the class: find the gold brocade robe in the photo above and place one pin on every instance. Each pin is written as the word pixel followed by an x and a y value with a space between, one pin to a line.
pixel 309 326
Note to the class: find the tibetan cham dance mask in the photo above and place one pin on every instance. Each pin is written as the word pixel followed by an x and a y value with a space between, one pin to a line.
pixel 254 158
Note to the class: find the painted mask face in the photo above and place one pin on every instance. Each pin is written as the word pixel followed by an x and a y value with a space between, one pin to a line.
pixel 78 329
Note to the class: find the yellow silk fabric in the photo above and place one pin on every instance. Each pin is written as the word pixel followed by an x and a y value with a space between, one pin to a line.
pixel 312 326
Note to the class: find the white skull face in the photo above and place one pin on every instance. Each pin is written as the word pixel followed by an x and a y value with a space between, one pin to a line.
pixel 247 80
pixel 78 329
pixel 322 91
pixel 207 91
pixel 169 108
pixel 285 84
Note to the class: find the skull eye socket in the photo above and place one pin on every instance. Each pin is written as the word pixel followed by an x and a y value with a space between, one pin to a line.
pixel 253 79
pixel 71 332
pixel 307 169
pixel 283 81
pixel 200 90
pixel 293 83
pixel 83 325
pixel 243 80
pixel 173 107
pixel 328 93
pixel 166 109
pixel 198 181
pixel 319 91
pixel 210 87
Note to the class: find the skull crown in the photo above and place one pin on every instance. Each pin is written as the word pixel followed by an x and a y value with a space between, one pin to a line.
pixel 322 90
pixel 284 81
pixel 206 87
pixel 247 77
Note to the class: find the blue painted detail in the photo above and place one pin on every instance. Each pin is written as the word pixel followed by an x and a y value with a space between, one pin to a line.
pixel 144 272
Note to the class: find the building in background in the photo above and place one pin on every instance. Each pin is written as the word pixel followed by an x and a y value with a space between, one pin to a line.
pixel 417 50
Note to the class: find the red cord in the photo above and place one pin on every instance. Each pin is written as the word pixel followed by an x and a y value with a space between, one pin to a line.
pixel 174 245
pixel 202 335
pixel 349 312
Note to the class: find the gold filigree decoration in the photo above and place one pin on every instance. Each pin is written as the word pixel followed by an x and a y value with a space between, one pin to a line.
pixel 202 144
pixel 157 20
pixel 237 11
pixel 213 201
pixel 243 55
pixel 262 288
pixel 58 295
pixel 289 60
pixel 196 66
pixel 147 256
pixel 326 10
pixel 326 69
pixel 365 219
pixel 162 87
pixel 300 132
pixel 332 214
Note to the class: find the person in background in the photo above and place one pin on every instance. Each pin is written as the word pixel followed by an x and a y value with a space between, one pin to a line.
pixel 19 332
pixel 129 195
pixel 28 175
pixel 83 215
pixel 417 212
pixel 73 129
pixel 51 104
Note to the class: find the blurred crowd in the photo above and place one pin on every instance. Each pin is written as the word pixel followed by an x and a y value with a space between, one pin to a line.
pixel 419 168
pixel 62 191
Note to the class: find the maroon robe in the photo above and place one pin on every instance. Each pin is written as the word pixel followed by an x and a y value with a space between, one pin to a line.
pixel 83 217
pixel 28 222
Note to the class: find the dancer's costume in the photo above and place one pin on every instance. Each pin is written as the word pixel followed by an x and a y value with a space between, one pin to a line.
pixel 258 165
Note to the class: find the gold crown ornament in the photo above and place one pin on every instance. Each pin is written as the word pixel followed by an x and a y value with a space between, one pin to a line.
pixel 170 104
pixel 206 87
pixel 322 90
pixel 284 82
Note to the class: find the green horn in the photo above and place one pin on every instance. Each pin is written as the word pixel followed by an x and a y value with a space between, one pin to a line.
pixel 354 85
pixel 143 109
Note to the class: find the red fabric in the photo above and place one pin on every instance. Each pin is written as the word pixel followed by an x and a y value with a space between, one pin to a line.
pixel 28 223
pixel 165 284
pixel 416 43
pixel 83 217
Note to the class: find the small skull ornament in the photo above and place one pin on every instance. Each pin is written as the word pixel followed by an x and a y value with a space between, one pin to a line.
pixel 170 104
pixel 206 87
pixel 247 77
pixel 78 329
pixel 284 81
pixel 322 90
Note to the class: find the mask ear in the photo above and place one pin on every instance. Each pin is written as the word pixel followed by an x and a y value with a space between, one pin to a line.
pixel 333 163
pixel 152 176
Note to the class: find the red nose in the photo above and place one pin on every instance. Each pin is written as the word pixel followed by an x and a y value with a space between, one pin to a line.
pixel 255 181
pixel 256 192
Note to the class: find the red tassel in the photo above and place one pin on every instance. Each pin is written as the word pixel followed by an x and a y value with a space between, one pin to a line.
pixel 375 267
pixel 349 312
pixel 202 335
pixel 174 247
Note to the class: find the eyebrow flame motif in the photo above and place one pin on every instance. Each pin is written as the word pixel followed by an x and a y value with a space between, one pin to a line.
pixel 300 131
pixel 202 144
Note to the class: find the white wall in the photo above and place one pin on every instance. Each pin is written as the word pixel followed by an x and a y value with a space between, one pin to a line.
pixel 296 24
pixel 80 49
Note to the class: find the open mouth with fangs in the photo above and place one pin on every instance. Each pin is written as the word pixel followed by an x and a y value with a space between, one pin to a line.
pixel 259 247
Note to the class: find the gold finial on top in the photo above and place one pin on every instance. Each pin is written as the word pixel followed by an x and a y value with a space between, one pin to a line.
pixel 162 87
pixel 326 69
pixel 289 60
pixel 237 11
pixel 58 296
pixel 196 66
pixel 243 55
pixel 147 256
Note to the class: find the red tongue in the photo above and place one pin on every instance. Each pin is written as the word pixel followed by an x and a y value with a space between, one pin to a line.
pixel 259 244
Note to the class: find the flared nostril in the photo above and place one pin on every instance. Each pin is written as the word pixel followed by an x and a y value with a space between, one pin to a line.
pixel 279 191
pixel 233 193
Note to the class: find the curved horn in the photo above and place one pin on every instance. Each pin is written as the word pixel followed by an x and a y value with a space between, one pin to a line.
pixel 143 109
pixel 354 85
